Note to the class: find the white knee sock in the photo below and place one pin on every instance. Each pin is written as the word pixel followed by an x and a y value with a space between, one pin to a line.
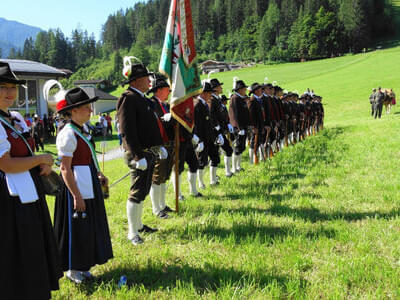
pixel 155 194
pixel 213 175
pixel 234 162
pixel 251 156
pixel 192 183
pixel 163 195
pixel 200 174
pixel 228 162
pixel 132 211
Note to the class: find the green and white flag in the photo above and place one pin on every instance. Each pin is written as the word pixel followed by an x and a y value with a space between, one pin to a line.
pixel 178 62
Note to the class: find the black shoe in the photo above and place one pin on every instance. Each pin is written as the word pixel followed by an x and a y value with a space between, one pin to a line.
pixel 229 176
pixel 198 195
pixel 167 209
pixel 214 184
pixel 137 240
pixel 147 229
pixel 162 215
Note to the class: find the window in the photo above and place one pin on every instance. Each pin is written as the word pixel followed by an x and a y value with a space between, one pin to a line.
pixel 20 103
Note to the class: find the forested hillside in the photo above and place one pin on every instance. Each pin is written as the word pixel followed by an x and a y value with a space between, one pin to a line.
pixel 229 30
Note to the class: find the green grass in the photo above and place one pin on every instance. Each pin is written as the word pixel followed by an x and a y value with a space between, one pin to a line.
pixel 321 220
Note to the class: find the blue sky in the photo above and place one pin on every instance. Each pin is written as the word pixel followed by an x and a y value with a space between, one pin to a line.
pixel 65 14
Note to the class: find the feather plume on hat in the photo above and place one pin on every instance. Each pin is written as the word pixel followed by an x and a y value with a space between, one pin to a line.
pixel 265 80
pixel 56 100
pixel 274 83
pixel 235 79
pixel 128 64
pixel 211 72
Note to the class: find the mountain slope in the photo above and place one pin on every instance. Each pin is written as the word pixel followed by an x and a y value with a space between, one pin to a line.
pixel 13 34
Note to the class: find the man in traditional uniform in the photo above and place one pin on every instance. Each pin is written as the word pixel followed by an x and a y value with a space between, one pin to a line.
pixel 270 122
pixel 163 167
pixel 372 101
pixel 142 141
pixel 222 125
pixel 205 130
pixel 379 97
pixel 256 120
pixel 240 120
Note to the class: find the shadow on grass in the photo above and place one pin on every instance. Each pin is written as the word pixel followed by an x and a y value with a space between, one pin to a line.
pixel 289 167
pixel 246 232
pixel 156 276
pixel 315 215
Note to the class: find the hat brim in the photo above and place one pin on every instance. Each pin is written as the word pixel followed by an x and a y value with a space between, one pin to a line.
pixel 69 107
pixel 136 77
pixel 220 84
pixel 152 90
pixel 11 80
pixel 242 87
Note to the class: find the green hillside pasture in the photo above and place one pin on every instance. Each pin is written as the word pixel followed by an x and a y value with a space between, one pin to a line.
pixel 321 220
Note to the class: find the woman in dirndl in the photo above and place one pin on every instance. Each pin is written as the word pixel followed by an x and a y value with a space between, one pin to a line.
pixel 80 217
pixel 29 260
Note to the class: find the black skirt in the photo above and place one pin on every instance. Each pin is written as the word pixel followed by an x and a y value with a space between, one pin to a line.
pixel 82 242
pixel 29 260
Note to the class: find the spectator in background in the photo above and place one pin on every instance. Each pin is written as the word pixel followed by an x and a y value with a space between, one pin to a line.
pixel 103 123
pixel 109 124
pixel 28 120
pixel 37 132
pixel 118 132
pixel 51 124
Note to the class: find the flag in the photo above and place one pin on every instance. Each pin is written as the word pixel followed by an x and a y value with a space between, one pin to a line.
pixel 178 62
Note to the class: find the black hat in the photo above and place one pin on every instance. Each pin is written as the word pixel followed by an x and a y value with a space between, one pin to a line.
pixel 135 71
pixel 207 87
pixel 159 82
pixel 73 98
pixel 7 76
pixel 215 83
pixel 267 85
pixel 239 85
pixel 255 86
pixel 224 98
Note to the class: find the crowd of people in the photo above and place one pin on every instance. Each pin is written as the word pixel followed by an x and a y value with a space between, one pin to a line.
pixel 37 253
pixel 379 98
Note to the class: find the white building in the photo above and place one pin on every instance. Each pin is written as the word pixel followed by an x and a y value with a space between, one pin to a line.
pixel 36 74
pixel 106 102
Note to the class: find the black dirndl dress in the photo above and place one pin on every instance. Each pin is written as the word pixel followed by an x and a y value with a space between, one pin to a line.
pixel 29 259
pixel 82 242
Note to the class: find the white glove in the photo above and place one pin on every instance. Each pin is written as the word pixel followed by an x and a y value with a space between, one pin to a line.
pixel 200 147
pixel 141 164
pixel 242 132
pixel 230 128
pixel 162 153
pixel 167 117
pixel 217 128
pixel 220 140
pixel 195 140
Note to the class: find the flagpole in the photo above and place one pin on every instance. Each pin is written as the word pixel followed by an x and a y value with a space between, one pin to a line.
pixel 177 146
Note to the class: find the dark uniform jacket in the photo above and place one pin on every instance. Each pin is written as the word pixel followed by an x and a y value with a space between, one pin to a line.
pixel 216 114
pixel 256 113
pixel 203 127
pixel 270 115
pixel 161 109
pixel 138 123
pixel 238 112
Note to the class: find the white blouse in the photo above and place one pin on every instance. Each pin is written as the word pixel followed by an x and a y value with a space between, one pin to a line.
pixel 66 145
pixel 5 145
pixel 66 142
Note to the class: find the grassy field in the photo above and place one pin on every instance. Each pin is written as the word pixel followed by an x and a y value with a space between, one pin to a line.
pixel 321 220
